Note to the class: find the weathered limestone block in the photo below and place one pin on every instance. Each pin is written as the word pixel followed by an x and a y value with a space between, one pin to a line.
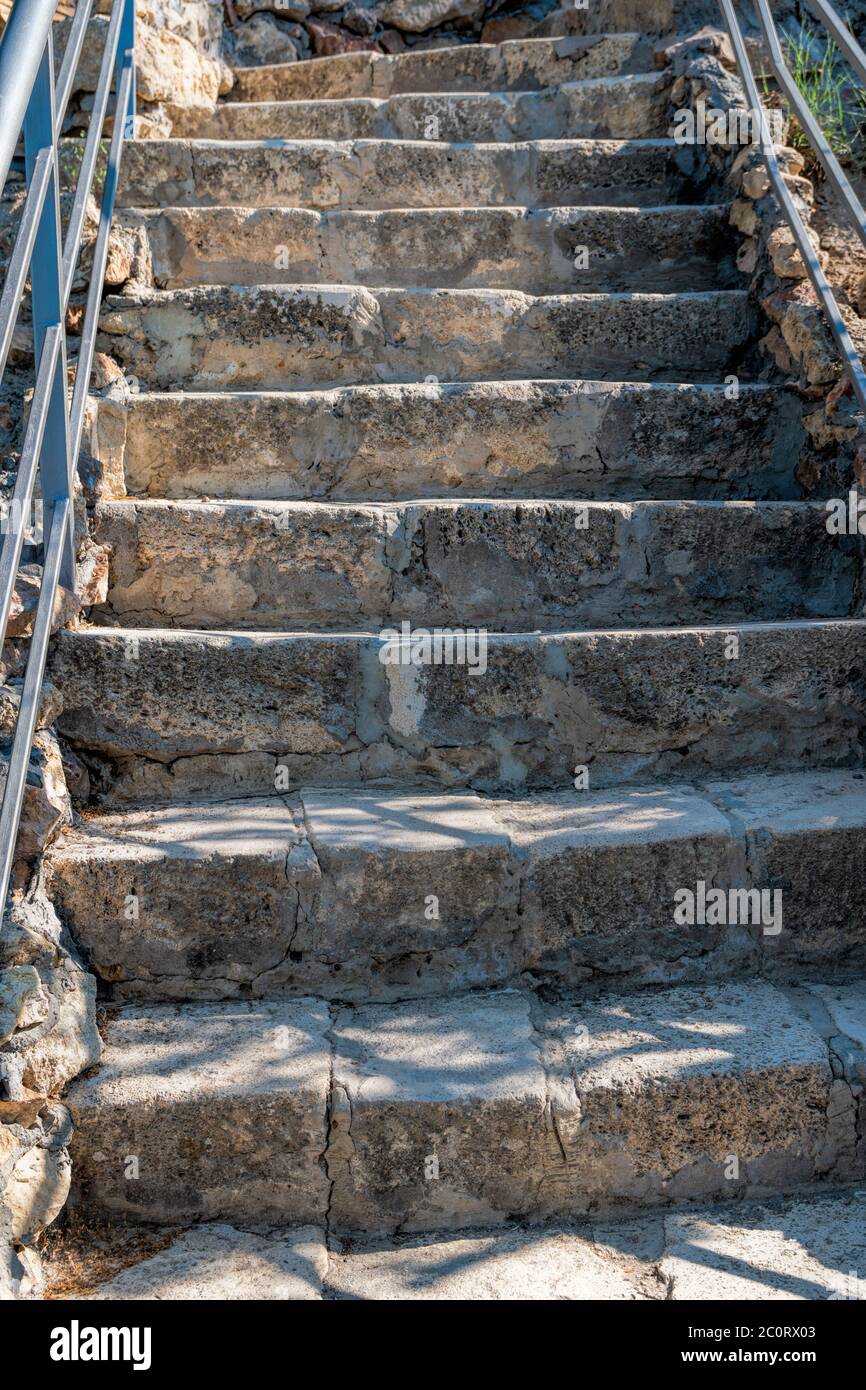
pixel 439 1117
pixel 633 705
pixel 223 1106
pixel 304 336
pixel 397 173
pixel 580 856
pixel 659 1092
pixel 575 439
pixel 416 892
pixel 538 251
pixel 127 919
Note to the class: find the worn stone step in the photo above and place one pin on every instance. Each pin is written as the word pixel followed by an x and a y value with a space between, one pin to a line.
pixel 377 895
pixel 799 1248
pixel 498 439
pixel 458 1112
pixel 542 251
pixel 410 173
pixel 300 336
pixel 517 566
pixel 605 108
pixel 518 65
pixel 196 716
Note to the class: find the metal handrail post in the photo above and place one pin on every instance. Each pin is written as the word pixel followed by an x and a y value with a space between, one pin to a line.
pixel 46 276
pixel 126 61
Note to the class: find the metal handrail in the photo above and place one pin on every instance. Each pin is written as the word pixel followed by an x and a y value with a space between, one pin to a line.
pixel 842 337
pixel 32 100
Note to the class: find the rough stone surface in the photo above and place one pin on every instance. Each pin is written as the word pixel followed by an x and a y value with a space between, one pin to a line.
pixel 634 705
pixel 357 895
pixel 398 173
pixel 575 439
pixel 220 1263
pixel 650 249
pixel 525 66
pixel 608 108
pixel 223 1107
pixel 798 1250
pixel 516 566
pixel 304 336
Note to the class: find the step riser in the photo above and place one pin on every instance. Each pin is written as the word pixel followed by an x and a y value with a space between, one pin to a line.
pixel 544 252
pixel 515 66
pixel 306 337
pixel 286 1113
pixel 330 895
pixel 633 108
pixel 418 174
pixel 192 717
pixel 538 439
pixel 282 567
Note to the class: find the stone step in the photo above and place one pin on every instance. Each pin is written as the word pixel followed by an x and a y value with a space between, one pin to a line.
pixel 542 251
pixel 498 439
pixel 178 716
pixel 604 108
pixel 371 174
pixel 517 566
pixel 384 895
pixel 301 336
pixel 802 1248
pixel 465 1111
pixel 520 65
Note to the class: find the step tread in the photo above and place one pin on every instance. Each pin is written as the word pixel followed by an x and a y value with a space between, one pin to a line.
pixel 798 1248
pixel 673 247
pixel 526 564
pixel 324 890
pixel 372 1091
pixel 618 107
pixel 309 335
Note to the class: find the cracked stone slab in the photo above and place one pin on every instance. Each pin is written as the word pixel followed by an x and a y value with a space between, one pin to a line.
pixel 438 1119
pixel 650 249
pixel 220 1263
pixel 599 873
pixel 384 174
pixel 634 706
pixel 206 1112
pixel 186 902
pixel 812 1249
pixel 363 895
pixel 715 1092
pixel 513 566
pixel 630 107
pixel 804 839
pixel 520 65
pixel 538 438
pixel 278 336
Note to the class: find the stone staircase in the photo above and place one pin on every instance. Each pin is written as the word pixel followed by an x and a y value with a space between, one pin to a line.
pixel 393 947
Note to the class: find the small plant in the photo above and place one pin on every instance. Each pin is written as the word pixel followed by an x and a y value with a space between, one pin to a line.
pixel 838 105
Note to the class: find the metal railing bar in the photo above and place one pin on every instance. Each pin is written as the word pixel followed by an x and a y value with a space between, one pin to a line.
pixel 832 167
pixel 72 244
pixel 842 35
pixel 801 236
pixel 69 66
pixel 100 257
pixel 19 264
pixel 28 710
pixel 24 483
pixel 21 50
